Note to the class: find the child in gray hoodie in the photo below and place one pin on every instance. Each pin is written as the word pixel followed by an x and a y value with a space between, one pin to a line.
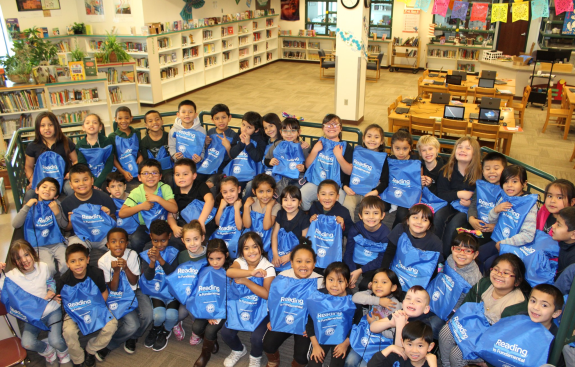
pixel 187 118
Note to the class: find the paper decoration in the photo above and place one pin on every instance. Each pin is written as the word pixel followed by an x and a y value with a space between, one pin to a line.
pixel 539 9
pixel 563 6
pixel 459 10
pixel 431 32
pixel 499 12
pixel 451 2
pixel 422 4
pixel 569 24
pixel 479 12
pixel 520 11
pixel 354 43
pixel 440 7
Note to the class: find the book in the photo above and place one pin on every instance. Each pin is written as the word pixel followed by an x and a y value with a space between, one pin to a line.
pixel 127 77
pixel 77 70
pixel 44 32
pixel 12 25
pixel 89 29
pixel 90 66
pixel 55 31
pixel 62 73
pixel 41 74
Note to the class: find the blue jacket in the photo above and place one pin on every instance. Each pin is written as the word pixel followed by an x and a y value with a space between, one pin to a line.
pixel 378 236
pixel 565 280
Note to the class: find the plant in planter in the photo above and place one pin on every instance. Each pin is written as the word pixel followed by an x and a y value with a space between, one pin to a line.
pixel 78 28
pixel 38 50
pixel 112 51
pixel 17 67
pixel 78 54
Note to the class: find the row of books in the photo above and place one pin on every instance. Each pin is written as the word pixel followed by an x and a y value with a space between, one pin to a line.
pixel 244 52
pixel 23 100
pixel 448 54
pixel 136 47
pixel 270 56
pixel 244 64
pixel 9 126
pixel 116 95
pixel 374 49
pixel 115 77
pixel 256 48
pixel 63 46
pixel 143 78
pixel 268 34
pixel 299 55
pixel 226 56
pixel 244 40
pixel 313 45
pixel 270 22
pixel 188 67
pixel 73 96
pixel 208 35
pixel 243 29
pixel 164 43
pixel 168 58
pixel 169 73
pixel 190 52
pixel 469 54
pixel 227 44
pixel 142 62
pixel 209 48
pixel 72 117
pixel 189 39
pixel 210 61
pixel 470 68
pixel 257 36
pixel 254 25
pixel 227 31
pixel 257 60
pixel 307 33
pixel 411 41
pixel 294 44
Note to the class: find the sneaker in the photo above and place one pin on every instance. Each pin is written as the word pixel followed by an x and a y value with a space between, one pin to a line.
pixel 102 354
pixel 49 353
pixel 152 336
pixel 64 357
pixel 179 331
pixel 255 362
pixel 89 359
pixel 161 340
pixel 130 346
pixel 234 357
pixel 195 340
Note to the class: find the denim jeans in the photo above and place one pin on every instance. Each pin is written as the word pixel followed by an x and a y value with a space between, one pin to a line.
pixel 230 337
pixel 127 326
pixel 139 238
pixel 30 334
pixel 167 317
pixel 354 359
pixel 145 313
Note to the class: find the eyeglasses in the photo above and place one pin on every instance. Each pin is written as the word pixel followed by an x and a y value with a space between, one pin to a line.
pixel 150 173
pixel 331 126
pixel 287 131
pixel 465 250
pixel 504 274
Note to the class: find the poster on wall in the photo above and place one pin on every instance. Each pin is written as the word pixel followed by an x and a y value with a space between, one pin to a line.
pixel 94 7
pixel 263 4
pixel 50 4
pixel 290 10
pixel 122 7
pixel 411 20
pixel 569 24
pixel 28 5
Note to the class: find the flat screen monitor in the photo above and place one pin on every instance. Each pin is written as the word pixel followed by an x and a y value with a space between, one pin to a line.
pixel 454 112
pixel 486 83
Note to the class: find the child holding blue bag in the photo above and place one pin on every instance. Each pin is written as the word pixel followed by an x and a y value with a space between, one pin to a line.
pixel 260 213
pixel 95 150
pixel 229 216
pixel 272 126
pixel 32 279
pixel 187 136
pixel 155 145
pixel 126 143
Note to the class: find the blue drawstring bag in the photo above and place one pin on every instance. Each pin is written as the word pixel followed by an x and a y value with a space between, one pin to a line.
pixel 429 198
pixel 123 301
pixel 366 250
pixel 287 298
pixel 157 211
pixel 158 287
pixel 263 168
pixel 456 204
pixel 85 305
pixel 243 166
pixel 208 300
pixel 364 342
pixel 366 171
pixel 90 223
pixel 214 156
pixel 96 158
pixel 49 164
pixel 332 317
pixel 129 224
pixel 404 187
pixel 290 155
pixel 183 280
pixel 467 325
pixel 412 265
pixel 228 231
pixel 286 242
pixel 515 341
pixel 510 222
pixel 189 142
pixel 258 227
pixel 445 290
pixel 163 157
pixel 326 240
pixel 193 211
pixel 536 256
pixel 40 226
pixel 325 166
pixel 486 194
pixel 246 311
pixel 127 152
pixel 23 305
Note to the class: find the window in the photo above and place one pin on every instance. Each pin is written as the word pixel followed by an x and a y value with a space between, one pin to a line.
pixel 467 29
pixel 321 16
pixel 380 18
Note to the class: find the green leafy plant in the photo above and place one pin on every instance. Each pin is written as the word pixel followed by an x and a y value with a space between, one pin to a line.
pixel 18 66
pixel 112 51
pixel 78 28
pixel 39 50
pixel 78 54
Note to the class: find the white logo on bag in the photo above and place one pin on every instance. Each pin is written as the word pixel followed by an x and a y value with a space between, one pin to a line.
pixel 362 165
pixel 293 165
pixel 45 233
pixel 157 286
pixel 323 175
pixel 182 148
pixel 435 295
pixel 245 316
pixel 87 319
pixel 44 220
pixel 367 252
pixel 188 290
pixel 355 180
pixel 95 231
pixel 364 341
pixel 210 308
pixel 120 221
pixel 237 169
pixel 330 331
pixel 397 193
pixel 205 164
pixel 113 306
pixel 130 166
pixel 289 319
pixel 321 252
pixel 210 288
pixel 506 232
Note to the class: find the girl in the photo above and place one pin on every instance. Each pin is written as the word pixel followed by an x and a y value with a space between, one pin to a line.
pixel 155 145
pixel 272 127
pixel 513 182
pixel 48 136
pixel 126 142
pixel 457 182
pixel 291 219
pixel 302 264
pixel 229 216
pixel 382 300
pixel 321 161
pixel 95 150
pixel 218 256
pixel 251 263
pixel 503 293
pixel 372 140
pixel 428 148
pixel 33 277
pixel 558 195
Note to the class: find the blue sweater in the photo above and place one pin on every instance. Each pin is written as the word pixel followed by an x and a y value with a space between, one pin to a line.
pixel 338 210
pixel 378 236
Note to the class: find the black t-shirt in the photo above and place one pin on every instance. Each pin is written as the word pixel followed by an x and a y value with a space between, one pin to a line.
pixel 98 198
pixel 198 191
pixel 549 222
pixel 93 273
pixel 433 174
pixel 428 243
pixel 147 144
pixel 392 360
pixel 296 225
pixel 35 150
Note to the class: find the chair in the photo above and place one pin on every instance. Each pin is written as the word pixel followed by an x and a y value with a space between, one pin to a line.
pixel 459 91
pixel 563 116
pixel 519 107
pixel 425 73
pixel 374 64
pixel 572 156
pixel 419 88
pixel 422 124
pixel 456 127
pixel 390 108
pixel 398 99
pixel 486 131
pixel 483 92
pixel 427 89
pixel 325 62
pixel 12 351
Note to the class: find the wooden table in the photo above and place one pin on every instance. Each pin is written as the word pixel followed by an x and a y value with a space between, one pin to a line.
pixel 433 110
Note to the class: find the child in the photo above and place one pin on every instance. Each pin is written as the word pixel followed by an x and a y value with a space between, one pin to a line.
pixel 328 204
pixel 321 161
pixel 229 216
pixel 545 304
pixel 187 119
pixel 35 278
pixel 159 261
pixel 120 259
pixel 150 200
pixel 95 150
pixel 513 182
pixel 371 228
pixel 428 148
pixel 417 340
pixel 503 293
pixel 564 233
pixel 77 258
pixel 126 143
pixel 272 126
pixel 48 136
pixel 250 263
pixel 50 247
pixel 187 189
pixel 155 145
pixel 559 194
pixel 116 186
pixel 302 264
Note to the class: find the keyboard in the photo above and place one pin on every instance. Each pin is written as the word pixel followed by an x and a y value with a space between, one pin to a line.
pixel 474 116
pixel 500 82
pixel 435 82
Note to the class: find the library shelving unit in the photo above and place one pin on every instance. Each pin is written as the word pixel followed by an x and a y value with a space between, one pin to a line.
pixel 455 57
pixel 547 39
pixel 374 47
pixel 65 44
pixel 122 85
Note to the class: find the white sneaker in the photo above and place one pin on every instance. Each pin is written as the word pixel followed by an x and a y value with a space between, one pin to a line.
pixel 49 353
pixel 255 361
pixel 64 357
pixel 234 357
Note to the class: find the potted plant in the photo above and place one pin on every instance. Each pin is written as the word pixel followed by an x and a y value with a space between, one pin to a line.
pixel 39 50
pixel 17 67
pixel 78 54
pixel 112 51
pixel 78 28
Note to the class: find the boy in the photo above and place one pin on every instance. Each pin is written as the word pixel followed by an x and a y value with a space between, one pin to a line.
pixel 47 190
pixel 428 147
pixel 187 118
pixel 417 340
pixel 77 259
pixel 143 198
pixel 116 186
pixel 371 214
pixel 124 131
pixel 564 233
pixel 186 190
pixel 545 304
pixel 155 145
pixel 328 204
pixel 132 325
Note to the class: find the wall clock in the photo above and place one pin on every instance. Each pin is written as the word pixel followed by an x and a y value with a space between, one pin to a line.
pixel 349 4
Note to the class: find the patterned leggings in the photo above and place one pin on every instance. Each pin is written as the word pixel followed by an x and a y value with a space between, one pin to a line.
pixel 451 355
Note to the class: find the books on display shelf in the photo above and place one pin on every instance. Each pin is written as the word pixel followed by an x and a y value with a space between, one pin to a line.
pixel 268 34
pixel 469 54
pixel 470 68
pixel 63 46
pixel 210 61
pixel 294 44
pixel 227 44
pixel 244 64
pixel 188 67
pixel 374 48
pixel 77 70
pixel 9 126
pixel 187 40
pixel 270 22
pixel 74 96
pixel 298 55
pixel 72 117
pixel 21 101
pixel 255 48
pixel 409 42
pixel 243 40
pixel 307 33
pixel 227 31
pixel 142 62
pixel 143 78
pixel 243 52
pixel 285 33
pixel 208 34
pixel 257 36
pixel 190 52
pixel 447 54
pixel 209 48
pixel 168 58
pixel 254 25
pixel 242 29
pixel 257 60
pixel 313 45
pixel 169 73
pixel 95 45
pixel 226 56
pixel 116 95
pixel 136 47
pixel 43 32
pixel 164 43
pixel 90 66
pixel 270 56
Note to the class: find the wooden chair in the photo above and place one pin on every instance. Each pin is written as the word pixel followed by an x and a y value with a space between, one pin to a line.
pixel 325 62
pixel 425 73
pixel 459 91
pixel 398 100
pixel 483 92
pixel 562 115
pixel 12 351
pixel 375 65
pixel 422 124
pixel 519 107
pixel 390 108
pixel 486 131
pixel 455 127
pixel 419 88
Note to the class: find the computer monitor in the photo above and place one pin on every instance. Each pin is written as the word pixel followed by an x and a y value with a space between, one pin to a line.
pixel 489 115
pixel 454 112
pixel 440 98
pixel 486 83
pixel 453 79
pixel 488 74
pixel 462 73
pixel 490 102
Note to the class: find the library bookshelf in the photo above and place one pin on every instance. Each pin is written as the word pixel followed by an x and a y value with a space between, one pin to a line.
pixel 455 57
